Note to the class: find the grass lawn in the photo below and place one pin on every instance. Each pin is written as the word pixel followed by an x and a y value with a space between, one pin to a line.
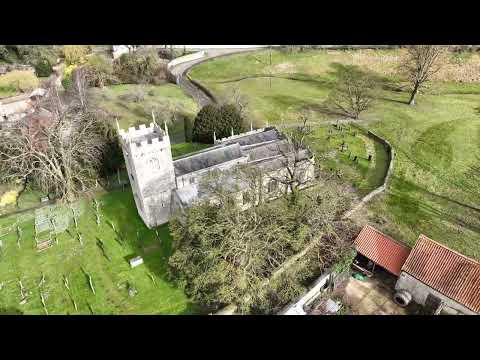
pixel 6 92
pixel 433 190
pixel 109 277
pixel 185 148
pixel 161 98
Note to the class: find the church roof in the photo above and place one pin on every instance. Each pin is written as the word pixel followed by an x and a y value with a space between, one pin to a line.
pixel 207 159
pixel 270 134
pixel 268 150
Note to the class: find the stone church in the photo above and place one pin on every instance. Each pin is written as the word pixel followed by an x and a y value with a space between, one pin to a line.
pixel 162 186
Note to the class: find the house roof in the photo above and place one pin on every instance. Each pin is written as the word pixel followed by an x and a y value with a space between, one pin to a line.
pixel 446 271
pixel 381 249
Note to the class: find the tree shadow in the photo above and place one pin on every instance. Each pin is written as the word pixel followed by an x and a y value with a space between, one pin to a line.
pixel 10 311
pixel 402 195
pixel 380 82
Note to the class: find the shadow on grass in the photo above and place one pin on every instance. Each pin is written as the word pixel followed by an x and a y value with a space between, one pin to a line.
pixel 412 208
pixel 10 311
pixel 120 205
pixel 471 189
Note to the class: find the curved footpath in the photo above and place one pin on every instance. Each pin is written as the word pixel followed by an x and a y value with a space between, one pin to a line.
pixel 201 95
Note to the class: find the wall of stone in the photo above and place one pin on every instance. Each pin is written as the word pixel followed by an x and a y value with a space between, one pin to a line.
pixel 386 180
pixel 420 291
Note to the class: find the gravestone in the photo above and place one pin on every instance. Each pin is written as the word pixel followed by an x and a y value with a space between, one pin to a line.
pixel 54 218
pixel 136 261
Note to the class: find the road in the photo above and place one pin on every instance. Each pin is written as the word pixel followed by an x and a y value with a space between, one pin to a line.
pixel 201 96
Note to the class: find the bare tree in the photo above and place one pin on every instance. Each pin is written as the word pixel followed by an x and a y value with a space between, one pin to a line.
pixel 235 96
pixel 296 160
pixel 352 94
pixel 60 150
pixel 421 63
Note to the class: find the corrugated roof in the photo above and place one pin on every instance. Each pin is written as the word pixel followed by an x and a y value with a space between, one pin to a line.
pixel 449 272
pixel 381 249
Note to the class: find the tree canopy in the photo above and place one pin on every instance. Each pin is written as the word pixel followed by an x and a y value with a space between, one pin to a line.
pixel 219 119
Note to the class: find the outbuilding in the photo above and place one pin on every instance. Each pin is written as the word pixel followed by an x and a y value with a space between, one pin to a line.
pixel 377 249
pixel 440 279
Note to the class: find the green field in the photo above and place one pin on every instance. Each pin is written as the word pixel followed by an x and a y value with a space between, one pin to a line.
pixel 163 99
pixel 433 190
pixel 109 276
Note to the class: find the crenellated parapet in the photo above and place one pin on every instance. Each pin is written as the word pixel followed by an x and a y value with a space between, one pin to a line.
pixel 133 132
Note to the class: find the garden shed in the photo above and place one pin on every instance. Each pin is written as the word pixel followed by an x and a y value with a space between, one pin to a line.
pixel 381 250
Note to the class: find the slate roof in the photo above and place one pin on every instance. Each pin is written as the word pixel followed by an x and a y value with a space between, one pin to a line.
pixel 267 150
pixel 381 249
pixel 206 159
pixel 270 134
pixel 446 271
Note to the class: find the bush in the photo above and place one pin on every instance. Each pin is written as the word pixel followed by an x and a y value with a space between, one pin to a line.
pixel 220 120
pixel 100 71
pixel 31 54
pixel 67 79
pixel 43 68
pixel 19 81
pixel 76 54
pixel 140 68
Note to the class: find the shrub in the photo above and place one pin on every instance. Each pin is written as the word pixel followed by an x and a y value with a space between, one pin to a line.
pixel 76 54
pixel 19 80
pixel 140 68
pixel 100 71
pixel 67 79
pixel 220 120
pixel 43 68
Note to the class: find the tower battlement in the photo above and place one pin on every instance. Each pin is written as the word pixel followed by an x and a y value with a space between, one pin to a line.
pixel 145 136
pixel 133 132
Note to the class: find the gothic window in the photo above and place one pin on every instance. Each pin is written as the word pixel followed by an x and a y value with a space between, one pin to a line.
pixel 154 164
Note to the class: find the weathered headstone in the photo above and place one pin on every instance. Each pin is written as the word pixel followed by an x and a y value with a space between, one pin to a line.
pixel 136 261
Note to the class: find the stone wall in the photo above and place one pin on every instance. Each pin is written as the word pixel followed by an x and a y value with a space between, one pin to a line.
pixel 388 175
pixel 420 292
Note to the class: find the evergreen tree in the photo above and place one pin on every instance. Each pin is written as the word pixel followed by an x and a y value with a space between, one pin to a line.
pixel 220 120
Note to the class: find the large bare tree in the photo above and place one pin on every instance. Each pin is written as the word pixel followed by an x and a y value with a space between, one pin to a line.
pixel 60 148
pixel 421 63
pixel 352 93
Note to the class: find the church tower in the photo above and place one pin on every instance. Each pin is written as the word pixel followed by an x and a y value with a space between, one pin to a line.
pixel 149 163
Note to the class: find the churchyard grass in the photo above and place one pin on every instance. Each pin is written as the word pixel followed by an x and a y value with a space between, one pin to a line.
pixel 433 190
pixel 110 277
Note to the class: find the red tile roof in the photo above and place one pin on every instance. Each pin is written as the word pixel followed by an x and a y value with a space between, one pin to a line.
pixel 449 272
pixel 381 249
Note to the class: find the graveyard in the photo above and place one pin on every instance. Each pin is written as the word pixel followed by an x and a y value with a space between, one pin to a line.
pixel 77 260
